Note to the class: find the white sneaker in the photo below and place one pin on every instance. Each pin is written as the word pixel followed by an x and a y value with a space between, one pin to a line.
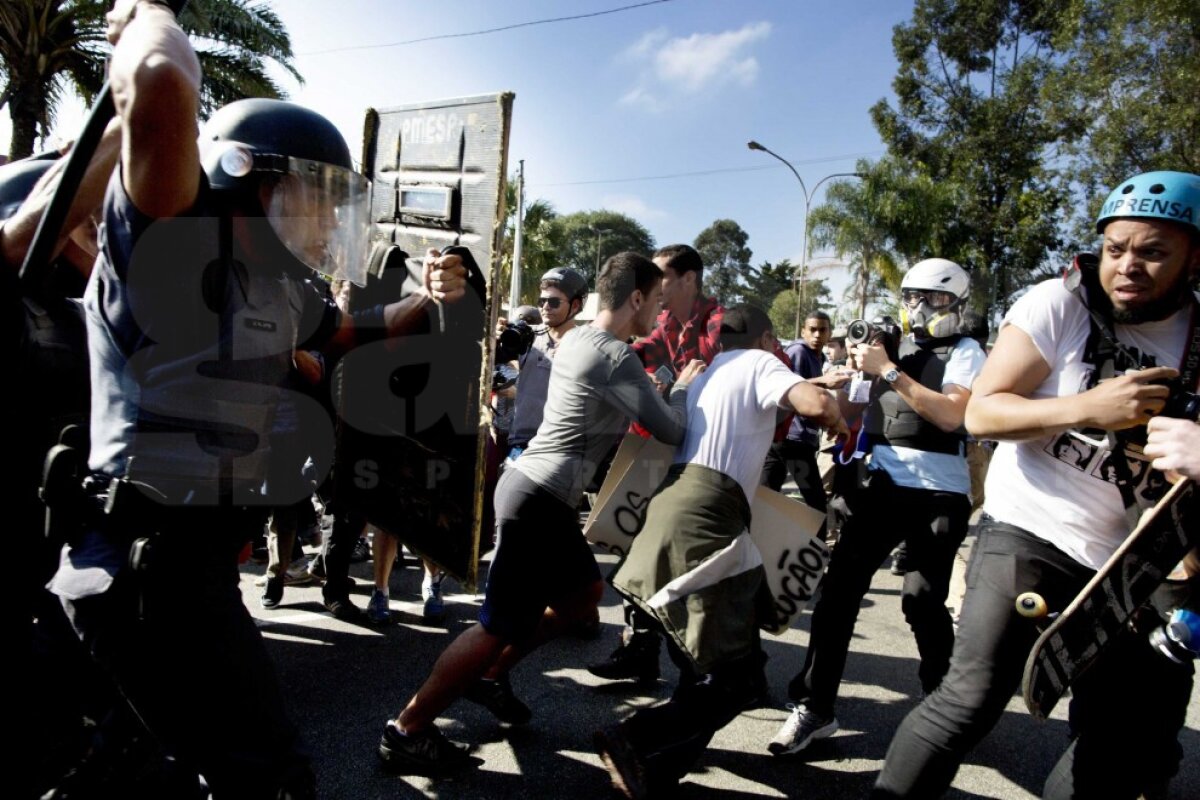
pixel 799 729
pixel 431 594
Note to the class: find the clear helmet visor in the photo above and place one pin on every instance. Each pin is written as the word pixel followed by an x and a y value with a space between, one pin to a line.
pixel 322 214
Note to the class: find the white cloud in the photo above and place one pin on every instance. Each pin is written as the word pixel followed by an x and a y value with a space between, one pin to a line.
pixel 632 205
pixel 705 58
pixel 639 96
pixel 693 64
pixel 646 45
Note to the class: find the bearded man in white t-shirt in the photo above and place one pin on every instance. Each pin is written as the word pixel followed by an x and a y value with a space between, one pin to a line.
pixel 1074 361
pixel 693 567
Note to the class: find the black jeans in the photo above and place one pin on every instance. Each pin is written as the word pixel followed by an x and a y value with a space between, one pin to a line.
pixel 934 524
pixel 1126 711
pixel 192 663
pixel 800 460
pixel 670 737
pixel 337 550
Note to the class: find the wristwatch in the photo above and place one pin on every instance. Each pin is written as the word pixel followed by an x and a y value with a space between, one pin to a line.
pixel 891 376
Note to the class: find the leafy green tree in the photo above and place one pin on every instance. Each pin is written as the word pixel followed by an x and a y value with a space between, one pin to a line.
pixel 782 312
pixel 769 286
pixel 969 114
pixel 894 214
pixel 815 295
pixel 1128 88
pixel 766 281
pixel 51 47
pixel 722 248
pixel 587 238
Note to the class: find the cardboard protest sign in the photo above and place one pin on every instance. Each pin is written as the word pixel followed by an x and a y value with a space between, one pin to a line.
pixel 789 535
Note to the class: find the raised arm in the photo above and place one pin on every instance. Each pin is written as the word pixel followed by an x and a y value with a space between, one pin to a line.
pixel 155 80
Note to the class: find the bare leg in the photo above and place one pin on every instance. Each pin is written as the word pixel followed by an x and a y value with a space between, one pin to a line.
pixel 383 555
pixel 460 664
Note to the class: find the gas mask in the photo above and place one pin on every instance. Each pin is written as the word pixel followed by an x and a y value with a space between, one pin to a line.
pixel 924 321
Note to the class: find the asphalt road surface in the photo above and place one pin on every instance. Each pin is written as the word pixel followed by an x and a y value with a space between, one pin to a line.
pixel 343 681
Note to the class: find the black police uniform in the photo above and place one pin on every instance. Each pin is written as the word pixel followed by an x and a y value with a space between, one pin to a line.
pixel 190 343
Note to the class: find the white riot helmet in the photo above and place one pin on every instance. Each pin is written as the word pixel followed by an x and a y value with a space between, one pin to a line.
pixel 931 294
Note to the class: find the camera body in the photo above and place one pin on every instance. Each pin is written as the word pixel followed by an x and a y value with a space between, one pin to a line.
pixel 514 341
pixel 882 330
pixel 1181 403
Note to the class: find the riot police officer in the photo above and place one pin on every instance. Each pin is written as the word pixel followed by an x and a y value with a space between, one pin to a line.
pixel 198 300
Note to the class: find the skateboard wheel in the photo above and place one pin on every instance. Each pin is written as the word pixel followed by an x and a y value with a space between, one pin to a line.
pixel 1031 605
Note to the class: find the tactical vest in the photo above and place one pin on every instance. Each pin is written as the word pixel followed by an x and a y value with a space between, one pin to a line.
pixel 892 421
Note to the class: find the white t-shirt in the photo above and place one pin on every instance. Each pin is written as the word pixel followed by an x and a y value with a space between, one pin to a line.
pixel 731 414
pixel 921 469
pixel 1060 487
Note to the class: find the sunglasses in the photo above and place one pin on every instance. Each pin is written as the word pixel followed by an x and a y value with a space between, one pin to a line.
pixel 549 302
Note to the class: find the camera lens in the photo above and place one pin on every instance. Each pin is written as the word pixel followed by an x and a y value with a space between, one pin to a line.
pixel 858 331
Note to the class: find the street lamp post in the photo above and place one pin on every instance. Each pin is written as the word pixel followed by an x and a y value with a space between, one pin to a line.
pixel 599 244
pixel 753 145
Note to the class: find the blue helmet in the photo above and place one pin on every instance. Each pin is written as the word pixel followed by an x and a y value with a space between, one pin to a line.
pixel 1172 196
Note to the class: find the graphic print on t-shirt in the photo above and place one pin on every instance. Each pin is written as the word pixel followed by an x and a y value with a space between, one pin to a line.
pixel 1077 451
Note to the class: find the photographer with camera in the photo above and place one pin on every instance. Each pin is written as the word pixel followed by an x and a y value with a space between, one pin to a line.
pixel 1095 351
pixel 563 291
pixel 916 488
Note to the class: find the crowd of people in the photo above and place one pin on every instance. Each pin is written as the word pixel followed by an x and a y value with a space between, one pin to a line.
pixel 203 256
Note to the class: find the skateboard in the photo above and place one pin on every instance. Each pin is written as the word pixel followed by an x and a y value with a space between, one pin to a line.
pixel 1100 613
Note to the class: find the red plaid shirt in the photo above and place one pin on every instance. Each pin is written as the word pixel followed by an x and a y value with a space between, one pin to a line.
pixel 676 343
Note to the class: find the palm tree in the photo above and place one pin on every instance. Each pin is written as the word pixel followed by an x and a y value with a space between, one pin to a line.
pixel 894 215
pixel 539 243
pixel 51 47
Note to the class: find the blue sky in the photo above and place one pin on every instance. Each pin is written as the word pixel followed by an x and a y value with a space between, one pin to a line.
pixel 603 104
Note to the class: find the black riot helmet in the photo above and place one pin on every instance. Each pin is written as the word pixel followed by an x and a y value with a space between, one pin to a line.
pixel 569 281
pixel 317 205
pixel 17 181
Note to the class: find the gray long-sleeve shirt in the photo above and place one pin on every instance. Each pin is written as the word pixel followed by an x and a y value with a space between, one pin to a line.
pixel 597 385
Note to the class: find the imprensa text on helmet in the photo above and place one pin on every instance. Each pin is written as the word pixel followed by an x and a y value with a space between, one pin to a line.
pixel 1149 205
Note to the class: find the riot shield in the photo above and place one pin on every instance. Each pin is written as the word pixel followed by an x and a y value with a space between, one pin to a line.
pixel 412 427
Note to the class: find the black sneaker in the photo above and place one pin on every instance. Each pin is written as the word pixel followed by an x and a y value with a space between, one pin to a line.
pixel 497 696
pixel 361 551
pixel 272 594
pixel 637 659
pixel 425 752
pixel 340 606
pixel 624 767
